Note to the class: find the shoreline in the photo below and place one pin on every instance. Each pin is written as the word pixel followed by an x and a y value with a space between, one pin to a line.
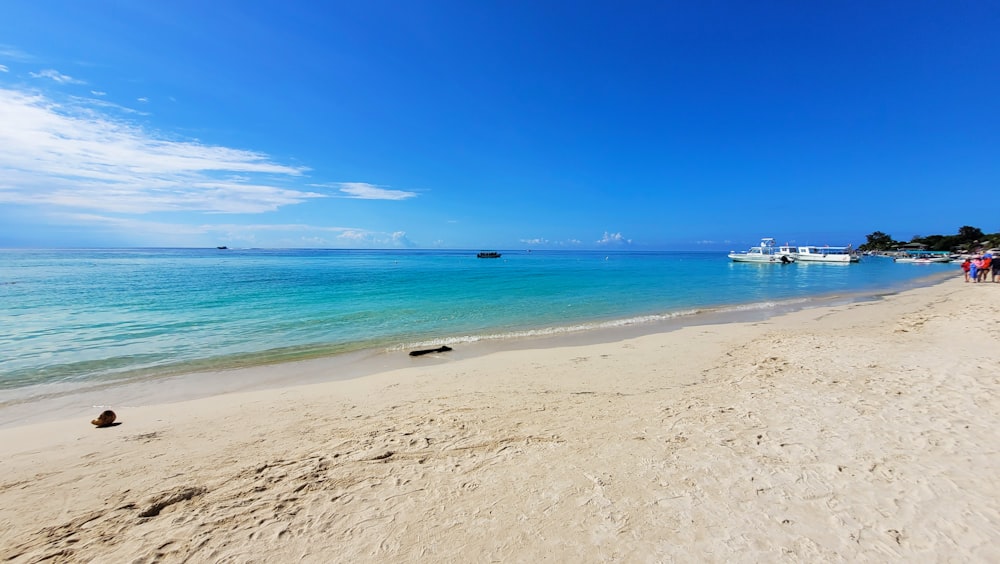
pixel 230 316
pixel 857 431
pixel 51 402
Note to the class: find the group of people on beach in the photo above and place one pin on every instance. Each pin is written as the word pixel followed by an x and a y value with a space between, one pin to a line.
pixel 977 269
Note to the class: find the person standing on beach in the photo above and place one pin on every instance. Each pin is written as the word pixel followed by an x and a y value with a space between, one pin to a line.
pixel 984 268
pixel 974 270
pixel 965 267
pixel 995 267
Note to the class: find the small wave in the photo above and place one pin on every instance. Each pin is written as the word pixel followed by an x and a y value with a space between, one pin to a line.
pixel 550 331
pixel 648 319
pixel 758 306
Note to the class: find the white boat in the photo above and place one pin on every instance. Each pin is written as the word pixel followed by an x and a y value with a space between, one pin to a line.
pixel 843 255
pixel 766 252
pixel 923 257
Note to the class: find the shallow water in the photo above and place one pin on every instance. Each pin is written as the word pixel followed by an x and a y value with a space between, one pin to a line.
pixel 87 316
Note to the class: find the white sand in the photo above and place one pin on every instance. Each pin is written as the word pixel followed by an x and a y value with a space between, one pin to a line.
pixel 866 432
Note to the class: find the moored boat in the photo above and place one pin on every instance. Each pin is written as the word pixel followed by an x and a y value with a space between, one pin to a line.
pixel 843 255
pixel 923 257
pixel 766 252
pixel 488 254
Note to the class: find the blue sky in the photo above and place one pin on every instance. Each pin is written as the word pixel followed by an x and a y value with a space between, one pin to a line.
pixel 510 125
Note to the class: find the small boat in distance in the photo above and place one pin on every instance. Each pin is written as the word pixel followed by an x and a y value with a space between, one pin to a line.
pixel 766 252
pixel 488 254
pixel 923 257
pixel 222 248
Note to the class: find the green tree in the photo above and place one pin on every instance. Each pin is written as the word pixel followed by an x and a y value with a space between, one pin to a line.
pixel 877 241
pixel 942 242
pixel 970 235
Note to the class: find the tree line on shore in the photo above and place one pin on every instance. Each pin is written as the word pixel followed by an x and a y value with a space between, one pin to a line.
pixel 967 239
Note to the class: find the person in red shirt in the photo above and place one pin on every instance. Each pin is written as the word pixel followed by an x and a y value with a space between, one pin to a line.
pixel 966 266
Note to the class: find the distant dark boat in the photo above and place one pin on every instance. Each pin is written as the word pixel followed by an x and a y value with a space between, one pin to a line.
pixel 222 248
pixel 488 254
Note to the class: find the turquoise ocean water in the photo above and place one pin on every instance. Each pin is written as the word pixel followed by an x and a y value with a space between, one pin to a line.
pixel 99 315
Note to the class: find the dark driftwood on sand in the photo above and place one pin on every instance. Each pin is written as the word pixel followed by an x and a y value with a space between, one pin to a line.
pixel 442 348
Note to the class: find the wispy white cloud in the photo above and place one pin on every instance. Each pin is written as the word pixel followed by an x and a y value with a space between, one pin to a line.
pixel 98 93
pixel 363 238
pixel 84 104
pixel 56 76
pixel 613 239
pixel 541 242
pixel 142 225
pixel 365 191
pixel 234 234
pixel 143 100
pixel 75 157
pixel 400 239
pixel 3 68
pixel 14 54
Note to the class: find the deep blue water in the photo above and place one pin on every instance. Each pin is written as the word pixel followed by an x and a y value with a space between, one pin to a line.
pixel 83 315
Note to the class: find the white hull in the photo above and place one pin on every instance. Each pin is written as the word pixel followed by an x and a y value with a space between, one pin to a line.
pixel 912 260
pixel 829 260
pixel 841 259
pixel 760 258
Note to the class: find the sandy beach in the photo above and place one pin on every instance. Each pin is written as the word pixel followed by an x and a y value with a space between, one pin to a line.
pixel 857 433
